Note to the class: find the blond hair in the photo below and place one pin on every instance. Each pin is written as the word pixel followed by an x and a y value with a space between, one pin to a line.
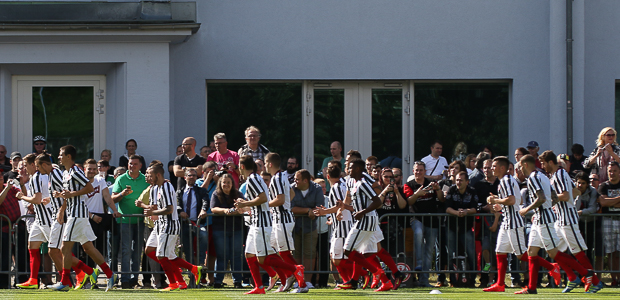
pixel 600 142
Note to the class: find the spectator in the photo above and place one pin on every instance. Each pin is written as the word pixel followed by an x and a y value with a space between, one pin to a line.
pixel 308 196
pixel 9 207
pixel 209 177
pixel 103 166
pixel 125 192
pixel 460 152
pixel 174 179
pixel 191 199
pixel 519 152
pixel 227 231
pixel 336 151
pixel 266 177
pixel 606 150
pixel 576 159
pixel 454 168
pixel 204 152
pixel 371 163
pixel 587 205
pixel 594 181
pixel 227 160
pixel 291 167
pixel 131 146
pixel 532 149
pixel 470 163
pixel 322 246
pixel 436 164
pixel 119 171
pixel 422 196
pixel 398 177
pixel 106 154
pixel 478 173
pixel 488 150
pixel 610 201
pixel 16 157
pixel 189 160
pixel 392 202
pixel 252 146
pixel 39 145
pixel 461 202
pixel 5 163
pixel 212 146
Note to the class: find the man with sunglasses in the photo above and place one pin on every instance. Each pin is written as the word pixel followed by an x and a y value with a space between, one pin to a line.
pixel 39 144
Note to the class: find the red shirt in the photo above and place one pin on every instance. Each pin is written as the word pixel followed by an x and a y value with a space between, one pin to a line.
pixel 10 208
pixel 222 160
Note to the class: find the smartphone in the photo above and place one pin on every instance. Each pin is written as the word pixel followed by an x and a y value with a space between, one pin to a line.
pixel 128 186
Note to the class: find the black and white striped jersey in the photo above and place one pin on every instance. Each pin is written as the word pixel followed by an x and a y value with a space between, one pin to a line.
pixel 280 186
pixel 361 197
pixel 164 196
pixel 340 229
pixel 565 210
pixel 74 180
pixel 260 213
pixel 43 213
pixel 55 185
pixel 539 182
pixel 508 186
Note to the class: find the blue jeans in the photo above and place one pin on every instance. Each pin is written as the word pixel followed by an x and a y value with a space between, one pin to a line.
pixel 132 246
pixel 466 237
pixel 228 247
pixel 424 239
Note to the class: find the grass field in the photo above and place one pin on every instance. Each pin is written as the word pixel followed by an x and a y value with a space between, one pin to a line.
pixel 419 293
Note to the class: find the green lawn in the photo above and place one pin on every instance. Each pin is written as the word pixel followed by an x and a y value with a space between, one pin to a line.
pixel 228 293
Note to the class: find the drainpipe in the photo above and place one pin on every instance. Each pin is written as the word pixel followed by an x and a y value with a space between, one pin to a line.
pixel 569 74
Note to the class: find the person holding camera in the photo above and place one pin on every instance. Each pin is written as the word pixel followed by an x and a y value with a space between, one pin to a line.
pixel 606 150
pixel 227 160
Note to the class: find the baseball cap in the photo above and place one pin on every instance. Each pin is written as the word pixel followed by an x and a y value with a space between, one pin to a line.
pixel 39 138
pixel 532 144
pixel 16 154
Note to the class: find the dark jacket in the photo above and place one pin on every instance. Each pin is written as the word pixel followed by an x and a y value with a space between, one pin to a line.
pixel 203 200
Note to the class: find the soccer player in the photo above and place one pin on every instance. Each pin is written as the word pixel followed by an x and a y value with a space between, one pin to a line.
pixel 361 238
pixel 161 243
pixel 567 224
pixel 280 194
pixel 77 229
pixel 542 233
pixel 257 251
pixel 511 236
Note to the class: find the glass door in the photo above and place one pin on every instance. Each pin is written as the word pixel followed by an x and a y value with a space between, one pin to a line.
pixel 62 109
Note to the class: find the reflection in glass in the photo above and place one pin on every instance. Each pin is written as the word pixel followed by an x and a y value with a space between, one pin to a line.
pixel 272 107
pixel 387 130
pixel 64 116
pixel 473 113
pixel 328 124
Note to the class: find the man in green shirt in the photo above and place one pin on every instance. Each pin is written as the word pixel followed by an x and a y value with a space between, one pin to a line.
pixel 126 190
pixel 336 151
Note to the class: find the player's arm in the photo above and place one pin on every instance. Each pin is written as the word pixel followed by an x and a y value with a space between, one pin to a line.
pixel 108 200
pixel 564 196
pixel 376 203
pixel 262 198
pixel 60 218
pixel 36 199
pixel 540 199
pixel 83 191
pixel 278 201
pixel 510 200
pixel 160 212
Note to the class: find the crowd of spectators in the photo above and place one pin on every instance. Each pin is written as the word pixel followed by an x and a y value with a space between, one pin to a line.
pixel 208 182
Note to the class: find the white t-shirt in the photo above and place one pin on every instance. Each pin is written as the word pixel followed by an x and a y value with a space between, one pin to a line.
pixel 94 200
pixel 441 165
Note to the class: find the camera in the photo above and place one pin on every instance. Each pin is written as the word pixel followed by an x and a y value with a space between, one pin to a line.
pixel 220 173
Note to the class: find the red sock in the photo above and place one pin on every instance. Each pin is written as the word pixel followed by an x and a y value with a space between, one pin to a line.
pixel 270 271
pixel 358 258
pixel 571 263
pixel 152 256
pixel 178 275
pixel 502 262
pixel 343 271
pixel 585 262
pixel 183 264
pixel 169 269
pixel 276 262
pixel 288 257
pixel 348 267
pixel 388 260
pixel 255 271
pixel 524 257
pixel 545 263
pixel 373 260
pixel 66 277
pixel 533 263
pixel 86 269
pixel 106 269
pixel 35 262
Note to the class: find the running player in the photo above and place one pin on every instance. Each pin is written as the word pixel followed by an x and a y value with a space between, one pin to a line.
pixel 567 224
pixel 75 187
pixel 257 251
pixel 542 234
pixel 511 236
pixel 361 238
pixel 161 243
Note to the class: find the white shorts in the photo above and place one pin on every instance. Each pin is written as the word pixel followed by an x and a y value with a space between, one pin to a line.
pixel 256 242
pixel 152 240
pixel 570 236
pixel 166 244
pixel 543 236
pixel 282 237
pixel 78 230
pixel 56 232
pixel 511 241
pixel 336 250
pixel 378 237
pixel 39 233
pixel 361 241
